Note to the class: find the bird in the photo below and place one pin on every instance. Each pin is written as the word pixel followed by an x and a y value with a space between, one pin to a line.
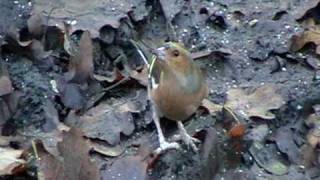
pixel 177 90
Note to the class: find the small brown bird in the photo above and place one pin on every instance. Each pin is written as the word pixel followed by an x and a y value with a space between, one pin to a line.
pixel 177 90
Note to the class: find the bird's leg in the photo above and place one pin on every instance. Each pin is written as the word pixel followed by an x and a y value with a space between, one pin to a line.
pixel 164 145
pixel 186 138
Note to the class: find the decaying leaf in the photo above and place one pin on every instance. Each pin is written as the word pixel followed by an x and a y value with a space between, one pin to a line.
pixel 81 64
pixel 257 104
pixel 130 167
pixel 84 15
pixel 10 161
pixel 71 94
pixel 104 122
pixel 308 36
pixel 77 163
pixel 74 164
pixel 49 167
pixel 283 137
pixel 267 158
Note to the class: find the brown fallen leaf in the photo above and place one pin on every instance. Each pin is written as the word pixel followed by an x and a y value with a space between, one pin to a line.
pixel 257 104
pixel 10 161
pixel 84 15
pixel 77 163
pixel 49 167
pixel 104 122
pixel 308 36
pixel 81 64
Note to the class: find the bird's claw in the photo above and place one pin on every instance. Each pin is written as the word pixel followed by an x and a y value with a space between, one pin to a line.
pixel 164 145
pixel 188 140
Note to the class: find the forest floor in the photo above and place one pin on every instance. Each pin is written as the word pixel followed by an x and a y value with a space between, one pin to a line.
pixel 73 96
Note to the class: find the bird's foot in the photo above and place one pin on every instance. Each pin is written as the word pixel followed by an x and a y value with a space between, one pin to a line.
pixel 188 140
pixel 164 146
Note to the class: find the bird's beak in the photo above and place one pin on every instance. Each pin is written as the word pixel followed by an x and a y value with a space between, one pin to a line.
pixel 160 53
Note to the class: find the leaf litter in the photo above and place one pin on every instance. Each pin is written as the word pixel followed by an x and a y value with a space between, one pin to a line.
pixel 89 69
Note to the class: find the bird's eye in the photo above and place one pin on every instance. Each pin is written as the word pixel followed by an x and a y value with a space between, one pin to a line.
pixel 176 53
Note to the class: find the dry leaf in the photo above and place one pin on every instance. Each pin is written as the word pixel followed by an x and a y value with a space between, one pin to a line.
pixel 308 36
pixel 71 95
pixel 49 168
pixel 104 122
pixel 84 15
pixel 77 163
pixel 10 161
pixel 257 104
pixel 284 138
pixel 81 64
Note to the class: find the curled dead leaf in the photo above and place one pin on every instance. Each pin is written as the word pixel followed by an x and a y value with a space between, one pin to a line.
pixel 81 64
pixel 308 36
pixel 104 122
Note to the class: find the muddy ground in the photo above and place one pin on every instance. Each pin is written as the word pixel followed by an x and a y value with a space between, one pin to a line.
pixel 250 45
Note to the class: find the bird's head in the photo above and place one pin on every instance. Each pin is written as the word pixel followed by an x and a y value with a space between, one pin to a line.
pixel 174 55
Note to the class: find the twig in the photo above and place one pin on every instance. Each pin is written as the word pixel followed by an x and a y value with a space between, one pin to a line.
pixel 35 151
